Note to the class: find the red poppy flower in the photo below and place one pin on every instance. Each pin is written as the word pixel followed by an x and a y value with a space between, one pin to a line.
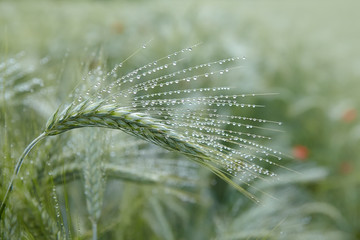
pixel 300 152
pixel 349 115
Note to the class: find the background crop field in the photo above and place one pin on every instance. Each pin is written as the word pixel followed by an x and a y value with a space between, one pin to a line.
pixel 306 51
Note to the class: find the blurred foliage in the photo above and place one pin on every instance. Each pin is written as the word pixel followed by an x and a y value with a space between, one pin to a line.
pixel 308 52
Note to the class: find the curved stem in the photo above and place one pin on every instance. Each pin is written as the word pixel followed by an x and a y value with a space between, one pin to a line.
pixel 17 169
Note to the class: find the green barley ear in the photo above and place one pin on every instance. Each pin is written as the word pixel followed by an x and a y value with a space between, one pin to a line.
pixel 16 80
pixel 93 183
pixel 9 226
pixel 158 103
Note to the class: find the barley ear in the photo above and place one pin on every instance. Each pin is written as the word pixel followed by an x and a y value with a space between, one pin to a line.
pixel 94 185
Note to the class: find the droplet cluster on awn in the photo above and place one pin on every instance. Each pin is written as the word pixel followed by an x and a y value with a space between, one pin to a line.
pixel 164 93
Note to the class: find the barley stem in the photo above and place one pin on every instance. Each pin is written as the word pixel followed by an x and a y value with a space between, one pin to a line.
pixel 94 230
pixel 17 169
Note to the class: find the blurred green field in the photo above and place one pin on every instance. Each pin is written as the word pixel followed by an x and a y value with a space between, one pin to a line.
pixel 307 51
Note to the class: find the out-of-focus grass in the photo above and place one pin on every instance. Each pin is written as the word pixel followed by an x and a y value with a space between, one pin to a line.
pixel 306 51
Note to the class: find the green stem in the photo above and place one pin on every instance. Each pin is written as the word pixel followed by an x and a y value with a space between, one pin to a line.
pixel 94 230
pixel 17 169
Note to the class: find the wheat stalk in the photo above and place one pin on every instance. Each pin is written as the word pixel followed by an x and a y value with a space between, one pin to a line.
pixel 171 119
